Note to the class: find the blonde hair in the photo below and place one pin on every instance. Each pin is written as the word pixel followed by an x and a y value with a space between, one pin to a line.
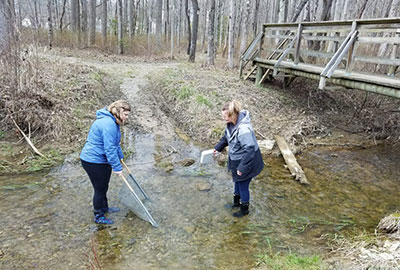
pixel 117 108
pixel 233 108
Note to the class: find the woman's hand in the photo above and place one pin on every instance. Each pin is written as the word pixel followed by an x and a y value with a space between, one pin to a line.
pixel 119 173
pixel 239 173
pixel 215 153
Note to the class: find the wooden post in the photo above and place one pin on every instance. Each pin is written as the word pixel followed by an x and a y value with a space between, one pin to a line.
pixel 294 168
pixel 394 52
pixel 259 75
pixel 298 43
pixel 350 52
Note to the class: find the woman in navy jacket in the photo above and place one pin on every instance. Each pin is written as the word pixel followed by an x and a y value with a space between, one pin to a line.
pixel 245 160
pixel 102 154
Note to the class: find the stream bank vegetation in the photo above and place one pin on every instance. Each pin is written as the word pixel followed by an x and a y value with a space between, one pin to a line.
pixel 51 103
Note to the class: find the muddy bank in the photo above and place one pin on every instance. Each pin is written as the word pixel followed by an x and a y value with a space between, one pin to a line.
pixel 193 95
pixel 54 108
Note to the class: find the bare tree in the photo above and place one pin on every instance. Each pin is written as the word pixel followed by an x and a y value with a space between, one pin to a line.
pixel 255 17
pixel 120 28
pixel 50 23
pixel 243 41
pixel 193 42
pixel 104 22
pixel 188 26
pixel 231 45
pixel 62 14
pixel 84 19
pixel 283 6
pixel 393 12
pixel 211 33
pixel 92 22
pixel 131 18
pixel 159 23
pixel 298 10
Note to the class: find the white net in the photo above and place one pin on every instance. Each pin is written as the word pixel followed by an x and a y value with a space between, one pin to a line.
pixel 135 200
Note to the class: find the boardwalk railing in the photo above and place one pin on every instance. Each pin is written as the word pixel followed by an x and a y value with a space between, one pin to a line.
pixel 361 54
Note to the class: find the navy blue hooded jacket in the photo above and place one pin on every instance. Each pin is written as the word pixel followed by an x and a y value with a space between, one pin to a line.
pixel 102 144
pixel 244 153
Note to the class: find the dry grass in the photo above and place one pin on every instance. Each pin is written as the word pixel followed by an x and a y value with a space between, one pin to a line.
pixel 51 101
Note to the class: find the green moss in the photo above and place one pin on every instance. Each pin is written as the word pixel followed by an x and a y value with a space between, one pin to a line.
pixel 202 100
pixel 37 163
pixel 291 262
pixel 184 92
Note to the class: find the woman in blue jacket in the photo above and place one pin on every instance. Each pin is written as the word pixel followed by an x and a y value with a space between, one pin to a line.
pixel 102 154
pixel 245 160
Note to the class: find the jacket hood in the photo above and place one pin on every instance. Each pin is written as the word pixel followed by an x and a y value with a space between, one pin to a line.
pixel 244 117
pixel 103 113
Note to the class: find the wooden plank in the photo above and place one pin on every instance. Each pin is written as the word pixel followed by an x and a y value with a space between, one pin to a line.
pixel 250 72
pixel 265 75
pixel 280 36
pixel 309 53
pixel 338 23
pixel 378 60
pixel 384 80
pixel 379 40
pixel 324 38
pixel 295 169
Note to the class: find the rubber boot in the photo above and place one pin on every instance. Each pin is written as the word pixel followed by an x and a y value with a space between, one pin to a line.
pixel 244 210
pixel 101 219
pixel 235 204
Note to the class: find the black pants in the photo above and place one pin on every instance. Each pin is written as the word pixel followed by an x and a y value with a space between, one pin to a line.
pixel 99 175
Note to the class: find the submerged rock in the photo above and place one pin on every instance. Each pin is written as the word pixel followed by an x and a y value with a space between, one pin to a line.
pixel 186 162
pixel 203 186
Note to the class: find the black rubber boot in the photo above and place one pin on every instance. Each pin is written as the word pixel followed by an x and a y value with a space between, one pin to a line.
pixel 235 204
pixel 244 210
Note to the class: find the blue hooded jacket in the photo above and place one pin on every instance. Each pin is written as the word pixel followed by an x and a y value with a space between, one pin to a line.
pixel 102 144
pixel 244 153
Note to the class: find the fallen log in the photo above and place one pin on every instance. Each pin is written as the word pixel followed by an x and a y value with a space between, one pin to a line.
pixel 294 167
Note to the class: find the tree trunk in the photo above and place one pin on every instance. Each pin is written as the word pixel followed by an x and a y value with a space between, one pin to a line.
pixel 172 31
pixel 231 41
pixel 243 42
pixel 188 26
pixel 167 21
pixel 131 18
pixel 204 28
pixel 74 15
pixel 84 20
pixel 120 28
pixel 393 12
pixel 50 24
pixel 62 15
pixel 7 25
pixel 159 22
pixel 211 33
pixel 282 11
pixel 255 17
pixel 298 10
pixel 92 22
pixel 193 42
pixel 104 23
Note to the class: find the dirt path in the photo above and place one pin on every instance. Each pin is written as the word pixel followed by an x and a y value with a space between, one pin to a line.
pixel 134 77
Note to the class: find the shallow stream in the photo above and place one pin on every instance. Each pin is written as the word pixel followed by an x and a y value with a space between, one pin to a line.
pixel 47 218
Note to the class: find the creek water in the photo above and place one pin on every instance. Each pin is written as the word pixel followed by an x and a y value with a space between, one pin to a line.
pixel 47 218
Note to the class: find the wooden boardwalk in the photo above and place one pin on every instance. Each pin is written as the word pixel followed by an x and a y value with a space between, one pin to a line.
pixel 361 54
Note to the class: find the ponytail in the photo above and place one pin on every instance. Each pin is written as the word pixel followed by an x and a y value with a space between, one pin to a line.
pixel 117 108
